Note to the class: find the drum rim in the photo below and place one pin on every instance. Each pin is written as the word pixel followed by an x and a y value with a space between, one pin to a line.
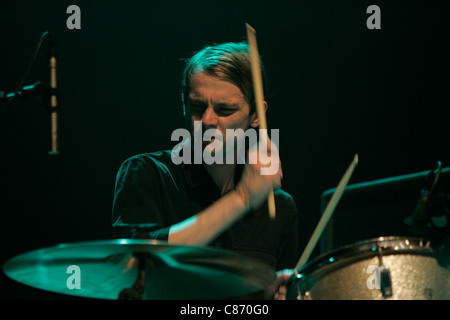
pixel 365 249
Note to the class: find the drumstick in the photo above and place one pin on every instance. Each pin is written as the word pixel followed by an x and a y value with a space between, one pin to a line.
pixel 259 97
pixel 327 213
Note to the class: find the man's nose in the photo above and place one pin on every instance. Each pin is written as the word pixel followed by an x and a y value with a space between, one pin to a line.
pixel 209 117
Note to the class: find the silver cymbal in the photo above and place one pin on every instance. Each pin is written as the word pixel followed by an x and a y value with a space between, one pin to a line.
pixel 103 269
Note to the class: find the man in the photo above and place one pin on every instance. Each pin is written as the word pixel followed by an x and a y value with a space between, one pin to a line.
pixel 220 204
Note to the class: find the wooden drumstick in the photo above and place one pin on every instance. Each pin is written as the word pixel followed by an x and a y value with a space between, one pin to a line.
pixel 327 214
pixel 259 97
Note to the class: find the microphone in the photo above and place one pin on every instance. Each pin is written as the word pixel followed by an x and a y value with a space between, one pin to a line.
pixel 53 98
pixel 26 91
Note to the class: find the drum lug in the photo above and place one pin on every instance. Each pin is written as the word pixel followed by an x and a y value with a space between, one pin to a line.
pixel 385 276
pixel 385 282
pixel 306 296
pixel 428 293
pixel 300 294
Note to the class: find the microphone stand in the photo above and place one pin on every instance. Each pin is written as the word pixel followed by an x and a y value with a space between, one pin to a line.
pixel 420 221
pixel 49 93
pixel 53 101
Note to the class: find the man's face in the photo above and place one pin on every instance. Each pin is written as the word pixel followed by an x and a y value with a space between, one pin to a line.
pixel 219 104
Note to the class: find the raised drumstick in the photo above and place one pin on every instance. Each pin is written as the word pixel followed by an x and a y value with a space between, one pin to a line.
pixel 259 97
pixel 327 214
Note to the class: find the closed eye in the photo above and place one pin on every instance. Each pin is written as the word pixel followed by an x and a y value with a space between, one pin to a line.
pixel 225 109
pixel 221 109
pixel 197 107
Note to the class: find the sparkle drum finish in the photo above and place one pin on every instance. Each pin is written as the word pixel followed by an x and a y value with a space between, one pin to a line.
pixel 397 268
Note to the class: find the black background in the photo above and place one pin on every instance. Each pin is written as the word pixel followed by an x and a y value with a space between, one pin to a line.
pixel 336 88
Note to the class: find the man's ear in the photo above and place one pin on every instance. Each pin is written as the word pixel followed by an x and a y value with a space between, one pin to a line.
pixel 254 120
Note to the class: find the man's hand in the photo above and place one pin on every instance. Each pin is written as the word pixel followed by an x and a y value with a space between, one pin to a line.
pixel 277 290
pixel 254 184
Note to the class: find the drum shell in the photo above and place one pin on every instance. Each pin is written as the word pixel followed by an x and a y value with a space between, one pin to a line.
pixel 352 272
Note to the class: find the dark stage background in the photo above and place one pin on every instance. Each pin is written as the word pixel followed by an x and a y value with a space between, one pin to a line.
pixel 336 88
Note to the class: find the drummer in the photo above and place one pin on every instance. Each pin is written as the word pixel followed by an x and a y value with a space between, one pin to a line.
pixel 219 204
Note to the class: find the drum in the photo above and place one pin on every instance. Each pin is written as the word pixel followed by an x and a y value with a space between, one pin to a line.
pixel 382 268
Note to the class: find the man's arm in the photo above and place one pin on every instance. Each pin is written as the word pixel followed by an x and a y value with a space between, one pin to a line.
pixel 251 191
pixel 209 223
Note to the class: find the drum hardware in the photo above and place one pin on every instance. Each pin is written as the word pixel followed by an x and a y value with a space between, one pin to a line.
pixel 428 294
pixel 137 289
pixel 300 294
pixel 384 274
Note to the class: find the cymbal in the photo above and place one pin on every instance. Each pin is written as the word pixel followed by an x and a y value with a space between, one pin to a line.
pixel 103 269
